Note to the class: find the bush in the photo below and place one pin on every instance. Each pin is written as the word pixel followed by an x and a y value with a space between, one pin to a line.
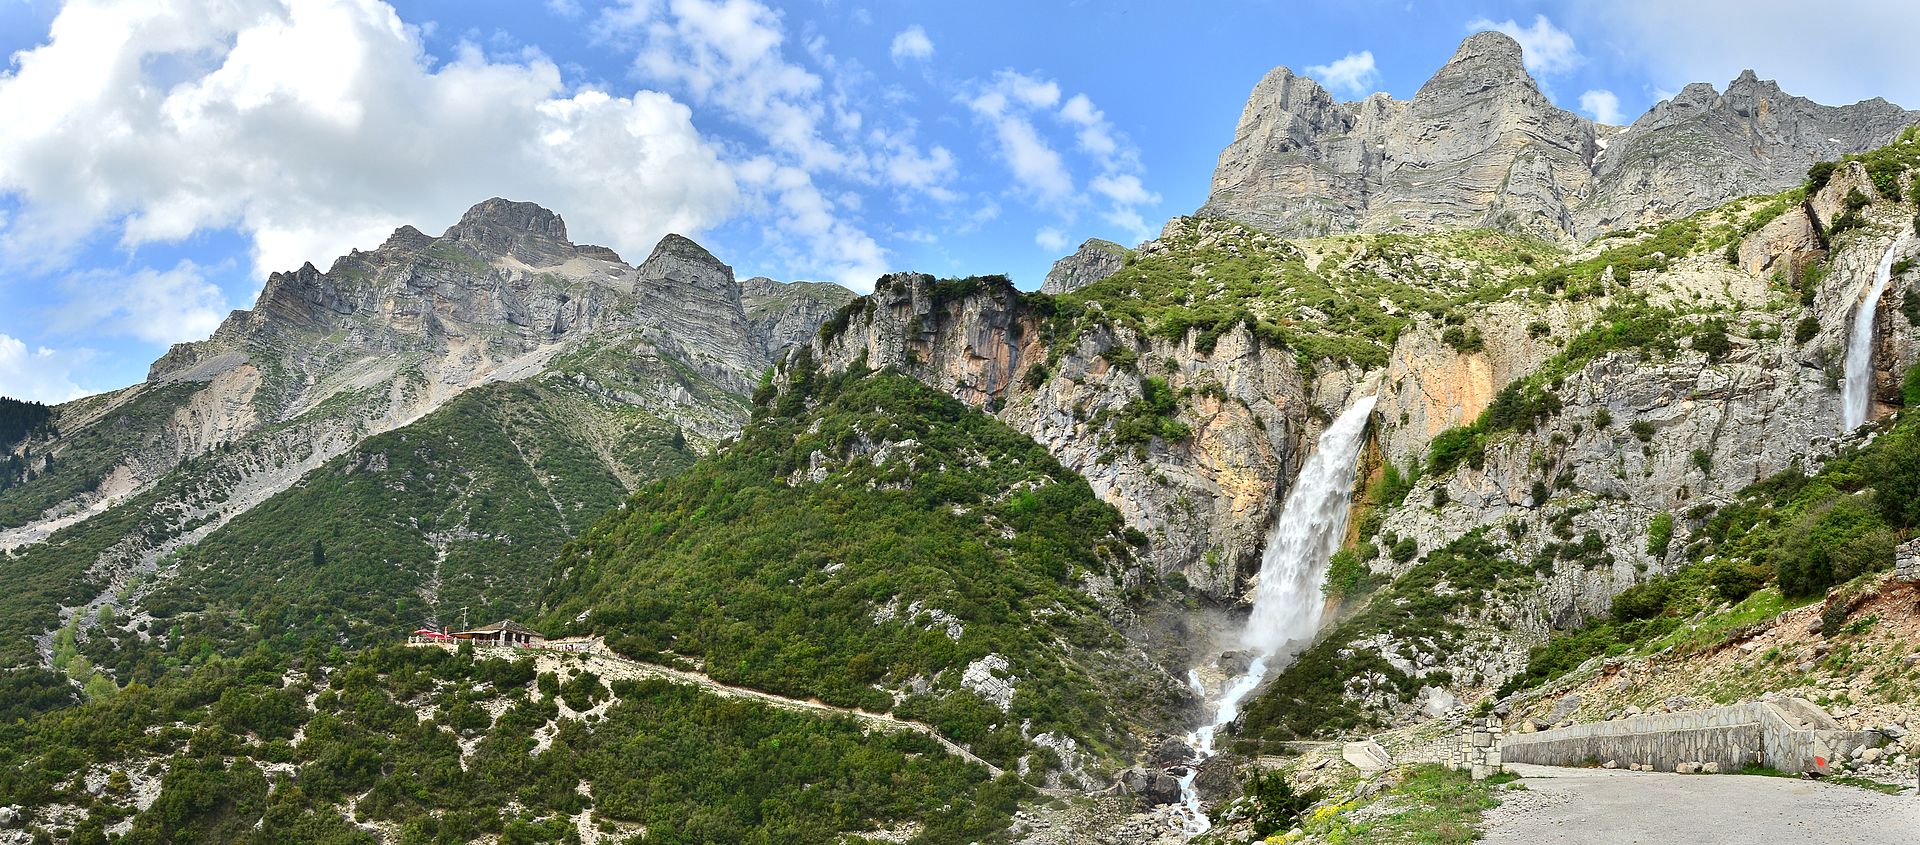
pixel 1712 340
pixel 1896 474
pixel 1274 806
pixel 1457 445
pixel 1819 174
pixel 1347 577
pixel 1704 460
pixel 1659 534
pixel 1602 418
pixel 1808 327
pixel 1463 339
pixel 1642 601
pixel 1832 545
pixel 1642 430
pixel 1404 549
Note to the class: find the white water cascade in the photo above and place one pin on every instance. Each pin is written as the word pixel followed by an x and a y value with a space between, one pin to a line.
pixel 1287 602
pixel 1856 391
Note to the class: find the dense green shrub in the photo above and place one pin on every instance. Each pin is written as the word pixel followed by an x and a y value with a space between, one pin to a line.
pixel 1659 534
pixel 1806 329
pixel 1832 544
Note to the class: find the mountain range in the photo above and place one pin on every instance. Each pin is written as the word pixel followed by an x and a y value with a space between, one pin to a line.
pixel 926 563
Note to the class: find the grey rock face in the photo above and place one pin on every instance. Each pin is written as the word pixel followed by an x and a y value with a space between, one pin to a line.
pixel 782 315
pixel 1205 502
pixel 385 336
pixel 1094 260
pixel 1703 147
pixel 1480 145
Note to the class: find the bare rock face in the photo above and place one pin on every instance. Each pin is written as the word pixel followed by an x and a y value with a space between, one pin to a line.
pixel 1703 147
pixel 386 336
pixel 782 315
pixel 1204 503
pixel 1094 260
pixel 1480 145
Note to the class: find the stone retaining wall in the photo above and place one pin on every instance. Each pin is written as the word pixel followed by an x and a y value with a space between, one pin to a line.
pixel 1791 736
pixel 1906 561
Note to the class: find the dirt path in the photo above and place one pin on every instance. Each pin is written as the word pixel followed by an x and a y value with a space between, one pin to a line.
pixel 610 667
pixel 1615 807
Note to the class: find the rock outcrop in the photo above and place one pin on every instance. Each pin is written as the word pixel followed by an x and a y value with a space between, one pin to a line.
pixel 782 315
pixel 1204 502
pixel 1480 145
pixel 1094 260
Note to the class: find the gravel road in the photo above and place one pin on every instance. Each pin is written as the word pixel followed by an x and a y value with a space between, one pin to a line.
pixel 1615 807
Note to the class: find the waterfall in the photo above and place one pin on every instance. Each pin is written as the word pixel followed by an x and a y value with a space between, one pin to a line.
pixel 1287 602
pixel 1857 391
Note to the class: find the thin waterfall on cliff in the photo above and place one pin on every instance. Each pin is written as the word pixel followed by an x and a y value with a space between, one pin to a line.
pixel 1857 391
pixel 1287 602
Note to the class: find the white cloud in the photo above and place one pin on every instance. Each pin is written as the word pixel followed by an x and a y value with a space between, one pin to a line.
pixel 1672 44
pixel 1051 239
pixel 1014 103
pixel 1545 48
pixel 927 172
pixel 728 55
pixel 912 43
pixel 1038 169
pixel 827 244
pixel 564 8
pixel 41 375
pixel 1602 105
pixel 1353 73
pixel 318 126
pixel 157 306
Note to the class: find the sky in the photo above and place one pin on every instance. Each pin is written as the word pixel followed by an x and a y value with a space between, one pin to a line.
pixel 159 158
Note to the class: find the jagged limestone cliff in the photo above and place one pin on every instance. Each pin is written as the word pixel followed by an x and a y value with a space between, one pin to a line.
pixel 1480 145
pixel 626 359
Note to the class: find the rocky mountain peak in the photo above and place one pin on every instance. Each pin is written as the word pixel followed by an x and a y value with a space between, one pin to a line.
pixel 1489 58
pixel 503 214
pixel 1096 259
pixel 1481 146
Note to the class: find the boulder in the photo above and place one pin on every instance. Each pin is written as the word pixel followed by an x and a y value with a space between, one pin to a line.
pixel 1152 786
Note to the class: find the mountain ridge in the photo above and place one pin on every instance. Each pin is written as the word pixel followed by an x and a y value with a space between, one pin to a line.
pixel 1479 145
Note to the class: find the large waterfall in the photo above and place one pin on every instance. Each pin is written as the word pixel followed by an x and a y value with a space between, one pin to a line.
pixel 1857 391
pixel 1287 602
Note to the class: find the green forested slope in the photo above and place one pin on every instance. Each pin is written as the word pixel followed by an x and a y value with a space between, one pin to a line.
pixel 457 515
pixel 868 539
pixel 429 746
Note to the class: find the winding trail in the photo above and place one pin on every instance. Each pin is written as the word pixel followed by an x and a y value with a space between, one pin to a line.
pixel 1562 806
pixel 611 667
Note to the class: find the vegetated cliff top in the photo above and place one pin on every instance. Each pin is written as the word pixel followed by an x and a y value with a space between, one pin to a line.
pixel 877 544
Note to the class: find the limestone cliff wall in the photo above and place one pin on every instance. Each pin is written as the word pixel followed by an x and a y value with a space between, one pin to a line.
pixel 1205 501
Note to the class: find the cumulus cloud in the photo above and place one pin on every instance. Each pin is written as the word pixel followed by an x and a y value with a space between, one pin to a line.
pixel 1545 48
pixel 1354 73
pixel 729 56
pixel 157 306
pixel 318 126
pixel 1602 106
pixel 912 43
pixel 40 374
pixel 1051 239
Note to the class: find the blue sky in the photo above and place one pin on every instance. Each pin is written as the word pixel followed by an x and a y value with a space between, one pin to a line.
pixel 159 157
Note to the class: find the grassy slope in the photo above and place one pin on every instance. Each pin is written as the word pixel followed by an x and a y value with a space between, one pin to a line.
pixel 459 512
pixel 83 458
pixel 965 539
pixel 1322 298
